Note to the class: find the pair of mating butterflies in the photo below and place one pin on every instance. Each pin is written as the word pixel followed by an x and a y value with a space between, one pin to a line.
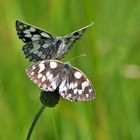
pixel 51 75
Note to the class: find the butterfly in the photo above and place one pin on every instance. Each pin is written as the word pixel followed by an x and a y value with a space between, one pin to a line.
pixel 70 82
pixel 41 45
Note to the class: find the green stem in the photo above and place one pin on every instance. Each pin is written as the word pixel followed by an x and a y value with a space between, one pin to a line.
pixel 35 121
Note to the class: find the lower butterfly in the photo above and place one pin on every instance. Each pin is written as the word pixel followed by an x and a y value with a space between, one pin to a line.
pixel 71 83
pixel 41 45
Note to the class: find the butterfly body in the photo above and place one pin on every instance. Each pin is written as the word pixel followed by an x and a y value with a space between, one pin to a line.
pixel 71 83
pixel 41 45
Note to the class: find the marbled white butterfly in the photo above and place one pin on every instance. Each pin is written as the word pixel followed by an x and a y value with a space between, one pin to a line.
pixel 70 82
pixel 41 45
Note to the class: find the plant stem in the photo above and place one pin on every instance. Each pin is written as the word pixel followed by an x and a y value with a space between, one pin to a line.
pixel 35 121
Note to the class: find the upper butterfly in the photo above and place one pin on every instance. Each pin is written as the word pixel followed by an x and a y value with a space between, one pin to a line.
pixel 41 45
pixel 70 82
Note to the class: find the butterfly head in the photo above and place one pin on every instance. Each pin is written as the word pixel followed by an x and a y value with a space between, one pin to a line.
pixel 59 40
pixel 67 65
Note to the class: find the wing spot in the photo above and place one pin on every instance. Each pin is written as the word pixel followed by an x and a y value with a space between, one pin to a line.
pixel 43 79
pixel 42 62
pixel 45 46
pixel 75 85
pixel 36 47
pixel 69 95
pixel 71 86
pixel 25 26
pixel 42 67
pixel 84 85
pixel 45 34
pixel 87 95
pixel 35 81
pixel 62 94
pixel 75 91
pixel 78 75
pixel 39 75
pixel 35 51
pixel 64 88
pixel 90 90
pixel 27 32
pixel 79 92
pixel 53 65
pixel 28 35
pixel 43 56
pixel 50 77
pixel 39 54
pixel 44 86
pixel 23 39
pixel 63 83
pixel 53 84
pixel 32 73
pixel 32 29
pixel 36 36
pixel 33 67
pixel 20 27
pixel 48 73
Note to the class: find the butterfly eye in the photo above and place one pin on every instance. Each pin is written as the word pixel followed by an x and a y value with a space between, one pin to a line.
pixel 59 41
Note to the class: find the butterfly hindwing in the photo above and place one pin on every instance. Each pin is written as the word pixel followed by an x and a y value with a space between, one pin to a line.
pixel 39 50
pixel 28 33
pixel 45 74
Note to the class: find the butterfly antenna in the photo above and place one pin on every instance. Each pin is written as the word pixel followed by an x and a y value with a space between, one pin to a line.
pixel 92 22
pixel 77 57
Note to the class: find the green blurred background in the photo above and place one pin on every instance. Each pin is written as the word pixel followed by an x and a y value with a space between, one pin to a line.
pixel 112 46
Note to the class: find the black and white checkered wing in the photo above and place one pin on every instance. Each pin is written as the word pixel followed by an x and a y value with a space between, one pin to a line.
pixel 40 50
pixel 76 87
pixel 45 74
pixel 70 39
pixel 29 33
pixel 39 44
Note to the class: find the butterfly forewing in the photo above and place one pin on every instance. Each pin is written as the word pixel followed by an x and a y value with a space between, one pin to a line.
pixel 45 74
pixel 69 39
pixel 28 33
pixel 84 85
pixel 76 87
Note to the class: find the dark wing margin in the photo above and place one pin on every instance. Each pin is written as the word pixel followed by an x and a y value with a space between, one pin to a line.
pixel 28 33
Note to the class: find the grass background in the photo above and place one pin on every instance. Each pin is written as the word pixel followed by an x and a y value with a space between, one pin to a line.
pixel 112 46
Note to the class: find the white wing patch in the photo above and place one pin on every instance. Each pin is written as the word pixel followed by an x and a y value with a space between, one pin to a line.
pixel 77 75
pixel 53 65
